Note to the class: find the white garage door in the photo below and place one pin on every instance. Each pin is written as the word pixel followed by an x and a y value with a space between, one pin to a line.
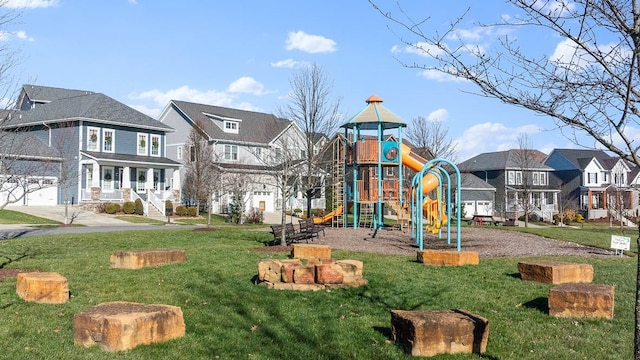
pixel 44 197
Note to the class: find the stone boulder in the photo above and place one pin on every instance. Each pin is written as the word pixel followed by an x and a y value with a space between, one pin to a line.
pixel 118 326
pixel 136 259
pixel 555 272
pixel 581 300
pixel 42 287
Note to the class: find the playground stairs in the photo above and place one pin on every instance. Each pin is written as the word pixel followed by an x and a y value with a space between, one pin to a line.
pixel 402 215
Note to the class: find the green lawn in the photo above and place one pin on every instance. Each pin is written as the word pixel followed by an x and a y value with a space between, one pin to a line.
pixel 228 317
pixel 16 217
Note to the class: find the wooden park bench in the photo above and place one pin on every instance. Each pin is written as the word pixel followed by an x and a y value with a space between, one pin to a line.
pixel 307 226
pixel 292 236
pixel 483 220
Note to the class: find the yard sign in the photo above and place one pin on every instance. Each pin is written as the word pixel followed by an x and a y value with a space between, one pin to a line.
pixel 620 243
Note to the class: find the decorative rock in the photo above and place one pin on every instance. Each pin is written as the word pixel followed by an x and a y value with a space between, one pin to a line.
pixel 270 270
pixel 582 300
pixel 297 287
pixel 554 272
pixel 448 258
pixel 329 274
pixel 42 287
pixel 429 333
pixel 118 326
pixel 288 266
pixel 304 274
pixel 351 269
pixel 307 251
pixel 136 259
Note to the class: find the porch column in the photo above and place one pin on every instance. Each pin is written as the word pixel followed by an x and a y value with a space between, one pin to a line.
pixel 95 182
pixel 126 177
pixel 149 183
pixel 176 186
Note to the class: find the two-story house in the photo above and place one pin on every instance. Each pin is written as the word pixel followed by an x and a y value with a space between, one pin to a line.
pixel 595 182
pixel 520 179
pixel 246 144
pixel 111 151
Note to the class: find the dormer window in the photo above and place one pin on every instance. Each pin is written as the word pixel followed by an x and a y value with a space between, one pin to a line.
pixel 231 126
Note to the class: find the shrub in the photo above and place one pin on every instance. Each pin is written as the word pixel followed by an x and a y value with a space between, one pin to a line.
pixel 556 219
pixel 568 216
pixel 139 207
pixel 192 211
pixel 254 216
pixel 112 208
pixel 129 207
pixel 579 218
pixel 101 208
pixel 181 210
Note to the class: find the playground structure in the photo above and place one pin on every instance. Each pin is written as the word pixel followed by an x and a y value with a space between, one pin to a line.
pixel 369 168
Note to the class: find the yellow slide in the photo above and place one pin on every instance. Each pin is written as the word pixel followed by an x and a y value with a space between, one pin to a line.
pixel 325 219
pixel 429 181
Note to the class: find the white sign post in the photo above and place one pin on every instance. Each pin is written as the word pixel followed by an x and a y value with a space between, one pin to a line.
pixel 620 244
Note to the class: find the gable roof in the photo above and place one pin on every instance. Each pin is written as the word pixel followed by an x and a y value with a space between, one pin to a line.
pixel 46 94
pixel 577 159
pixel 503 160
pixel 255 127
pixel 95 107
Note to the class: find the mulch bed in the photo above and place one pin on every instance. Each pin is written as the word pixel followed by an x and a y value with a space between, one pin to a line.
pixel 5 273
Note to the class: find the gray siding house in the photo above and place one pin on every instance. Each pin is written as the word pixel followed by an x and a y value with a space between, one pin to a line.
pixel 110 151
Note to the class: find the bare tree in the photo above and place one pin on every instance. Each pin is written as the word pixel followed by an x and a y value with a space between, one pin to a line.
pixel 312 108
pixel 524 192
pixel 27 165
pixel 431 138
pixel 201 175
pixel 592 89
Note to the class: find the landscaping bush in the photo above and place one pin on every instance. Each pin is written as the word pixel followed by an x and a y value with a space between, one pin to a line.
pixel 139 207
pixel 579 218
pixel 568 216
pixel 112 208
pixel 181 210
pixel 254 216
pixel 129 207
pixel 101 208
pixel 192 211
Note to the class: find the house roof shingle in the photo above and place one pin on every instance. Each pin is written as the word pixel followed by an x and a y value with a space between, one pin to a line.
pixel 254 127
pixel 509 159
pixel 66 105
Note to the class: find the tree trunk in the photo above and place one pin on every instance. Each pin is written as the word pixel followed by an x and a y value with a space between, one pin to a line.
pixel 309 193
pixel 283 221
pixel 637 312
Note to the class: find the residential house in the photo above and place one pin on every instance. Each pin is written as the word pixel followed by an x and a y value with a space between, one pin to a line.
pixel 477 196
pixel 520 179
pixel 30 170
pixel 111 151
pixel 246 144
pixel 595 182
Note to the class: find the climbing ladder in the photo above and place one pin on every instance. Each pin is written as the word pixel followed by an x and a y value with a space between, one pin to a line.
pixel 338 184
pixel 402 215
pixel 366 214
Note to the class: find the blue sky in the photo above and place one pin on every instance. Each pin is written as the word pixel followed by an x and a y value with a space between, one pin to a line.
pixel 242 53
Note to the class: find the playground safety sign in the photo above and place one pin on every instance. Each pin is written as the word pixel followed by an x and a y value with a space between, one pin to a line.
pixel 620 243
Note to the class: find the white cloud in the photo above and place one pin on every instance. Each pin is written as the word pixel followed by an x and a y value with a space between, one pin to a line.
pixel 247 85
pixel 134 2
pixel 438 115
pixel 23 35
pixel 488 137
pixel 439 76
pixel 287 63
pixel 310 43
pixel 30 4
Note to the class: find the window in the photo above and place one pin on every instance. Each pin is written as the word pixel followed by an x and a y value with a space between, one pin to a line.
pixel 592 178
pixel 536 178
pixel 518 177
pixel 155 145
pixel 511 178
pixel 93 138
pixel 231 126
pixel 142 144
pixel 231 152
pixel 179 155
pixel 107 179
pixel 109 139
pixel 303 154
pixel 543 178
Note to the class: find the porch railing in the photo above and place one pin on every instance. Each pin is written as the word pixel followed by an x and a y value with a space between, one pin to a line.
pixel 157 202
pixel 134 196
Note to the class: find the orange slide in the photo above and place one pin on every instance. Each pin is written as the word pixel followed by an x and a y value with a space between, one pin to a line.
pixel 325 219
pixel 429 181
